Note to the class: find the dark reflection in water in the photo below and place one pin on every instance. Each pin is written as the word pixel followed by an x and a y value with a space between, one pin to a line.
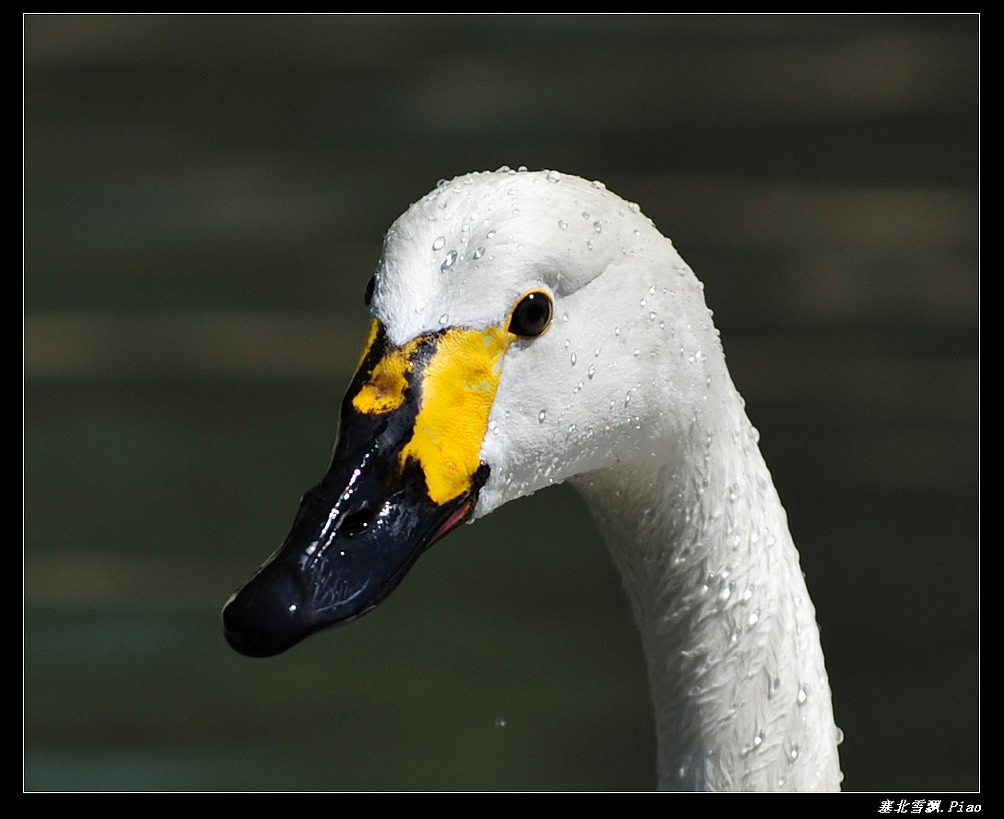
pixel 204 202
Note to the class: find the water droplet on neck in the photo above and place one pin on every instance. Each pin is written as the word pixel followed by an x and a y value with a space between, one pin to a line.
pixel 451 257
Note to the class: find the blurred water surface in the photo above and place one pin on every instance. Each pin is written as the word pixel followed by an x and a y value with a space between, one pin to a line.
pixel 205 198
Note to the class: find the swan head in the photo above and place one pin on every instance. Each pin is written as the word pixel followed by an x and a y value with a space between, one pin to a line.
pixel 528 327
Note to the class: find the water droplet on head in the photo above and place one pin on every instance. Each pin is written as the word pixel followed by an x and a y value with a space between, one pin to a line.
pixel 439 243
pixel 451 257
pixel 477 254
pixel 541 416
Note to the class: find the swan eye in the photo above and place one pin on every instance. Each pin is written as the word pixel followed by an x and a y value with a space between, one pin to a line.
pixel 532 315
pixel 368 294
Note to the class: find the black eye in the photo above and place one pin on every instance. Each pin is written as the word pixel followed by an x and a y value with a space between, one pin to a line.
pixel 368 295
pixel 531 316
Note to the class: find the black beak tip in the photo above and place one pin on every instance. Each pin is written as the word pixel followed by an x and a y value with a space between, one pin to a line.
pixel 263 619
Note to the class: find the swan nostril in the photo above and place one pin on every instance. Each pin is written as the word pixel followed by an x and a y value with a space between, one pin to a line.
pixel 356 521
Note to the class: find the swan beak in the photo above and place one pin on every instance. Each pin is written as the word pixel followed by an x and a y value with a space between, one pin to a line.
pixel 405 471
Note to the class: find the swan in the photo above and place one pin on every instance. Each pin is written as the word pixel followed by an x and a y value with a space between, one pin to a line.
pixel 530 328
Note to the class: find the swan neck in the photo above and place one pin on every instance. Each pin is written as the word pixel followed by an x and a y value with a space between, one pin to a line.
pixel 735 666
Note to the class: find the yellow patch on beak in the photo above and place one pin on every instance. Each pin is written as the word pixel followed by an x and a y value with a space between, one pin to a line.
pixel 456 385
pixel 384 391
pixel 458 389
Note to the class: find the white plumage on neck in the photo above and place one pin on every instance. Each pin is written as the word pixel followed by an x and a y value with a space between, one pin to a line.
pixel 735 667
pixel 627 394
